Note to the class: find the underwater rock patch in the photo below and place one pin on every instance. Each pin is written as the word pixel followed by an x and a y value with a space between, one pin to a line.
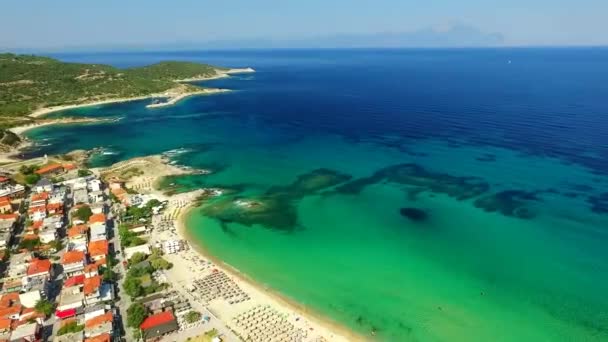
pixel 486 157
pixel 599 204
pixel 509 203
pixel 461 188
pixel 275 208
pixel 414 214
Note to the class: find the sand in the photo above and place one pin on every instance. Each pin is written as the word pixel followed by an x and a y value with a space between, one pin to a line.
pixel 148 171
pixel 182 272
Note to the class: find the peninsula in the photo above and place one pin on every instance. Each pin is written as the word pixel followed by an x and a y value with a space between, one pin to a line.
pixel 33 86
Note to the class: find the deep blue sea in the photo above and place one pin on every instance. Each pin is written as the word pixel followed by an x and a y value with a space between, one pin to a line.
pixel 426 194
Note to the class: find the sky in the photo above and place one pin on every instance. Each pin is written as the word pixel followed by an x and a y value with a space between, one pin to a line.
pixel 67 24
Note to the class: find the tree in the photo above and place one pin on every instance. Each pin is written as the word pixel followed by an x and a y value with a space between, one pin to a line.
pixel 136 314
pixel 133 287
pixel 83 213
pixel 160 264
pixel 83 172
pixel 32 178
pixel 30 245
pixel 153 203
pixel 193 316
pixel 70 327
pixel 56 245
pixel 138 257
pixel 45 307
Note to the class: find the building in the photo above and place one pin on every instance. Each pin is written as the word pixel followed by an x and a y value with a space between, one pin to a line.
pixel 29 299
pixel 77 237
pixel 12 191
pixel 99 325
pixel 26 333
pixel 129 251
pixel 158 325
pixel 39 268
pixel 91 290
pixel 80 196
pixel 18 265
pixel 73 262
pixel 98 231
pixel 98 250
pixel 5 205
pixel 71 300
pixel 43 185
pixel 50 170
pixel 94 185
pixel 47 235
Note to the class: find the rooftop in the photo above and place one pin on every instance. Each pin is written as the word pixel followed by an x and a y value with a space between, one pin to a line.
pixel 77 230
pixel 72 257
pixel 91 285
pixel 49 168
pixel 156 320
pixel 99 218
pixel 38 266
pixel 97 248
pixel 73 281
pixel 98 320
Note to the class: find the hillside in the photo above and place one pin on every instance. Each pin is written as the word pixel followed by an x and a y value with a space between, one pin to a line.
pixel 31 82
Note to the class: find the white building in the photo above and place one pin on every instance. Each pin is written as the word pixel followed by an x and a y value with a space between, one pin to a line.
pixel 98 231
pixel 29 299
pixel 129 251
pixel 94 185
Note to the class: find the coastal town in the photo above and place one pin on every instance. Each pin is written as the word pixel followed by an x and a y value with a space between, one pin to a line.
pixel 101 255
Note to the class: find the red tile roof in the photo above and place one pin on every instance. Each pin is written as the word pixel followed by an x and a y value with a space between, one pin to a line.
pixel 30 236
pixel 49 168
pixel 158 319
pixel 37 224
pixel 43 196
pixel 9 299
pixel 3 179
pixel 69 166
pixel 101 218
pixel 72 257
pixel 5 323
pixel 99 320
pixel 54 206
pixel 8 216
pixel 73 281
pixel 80 229
pixel 90 268
pixel 10 311
pixel 91 285
pixel 38 266
pixel 105 337
pixel 97 248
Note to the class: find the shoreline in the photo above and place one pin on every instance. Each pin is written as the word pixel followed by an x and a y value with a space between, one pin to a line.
pixel 174 94
pixel 174 99
pixel 329 329
pixel 19 130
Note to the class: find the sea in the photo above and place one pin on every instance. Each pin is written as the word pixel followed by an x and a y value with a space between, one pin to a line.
pixel 416 194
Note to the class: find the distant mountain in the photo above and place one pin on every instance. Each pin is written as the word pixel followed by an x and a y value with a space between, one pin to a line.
pixel 455 36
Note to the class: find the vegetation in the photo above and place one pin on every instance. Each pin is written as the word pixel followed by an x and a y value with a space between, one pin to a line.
pixel 30 245
pixel 138 257
pixel 56 245
pixel 45 307
pixel 136 213
pixel 84 173
pixel 192 317
pixel 70 327
pixel 31 178
pixel 31 82
pixel 128 238
pixel 83 213
pixel 136 277
pixel 136 314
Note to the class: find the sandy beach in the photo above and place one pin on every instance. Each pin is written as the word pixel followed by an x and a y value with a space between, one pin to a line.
pixel 174 99
pixel 65 121
pixel 194 264
pixel 318 328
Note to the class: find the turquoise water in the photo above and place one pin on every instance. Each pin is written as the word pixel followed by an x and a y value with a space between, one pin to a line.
pixel 505 171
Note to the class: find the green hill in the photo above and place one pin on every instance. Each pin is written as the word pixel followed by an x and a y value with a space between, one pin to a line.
pixel 31 82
